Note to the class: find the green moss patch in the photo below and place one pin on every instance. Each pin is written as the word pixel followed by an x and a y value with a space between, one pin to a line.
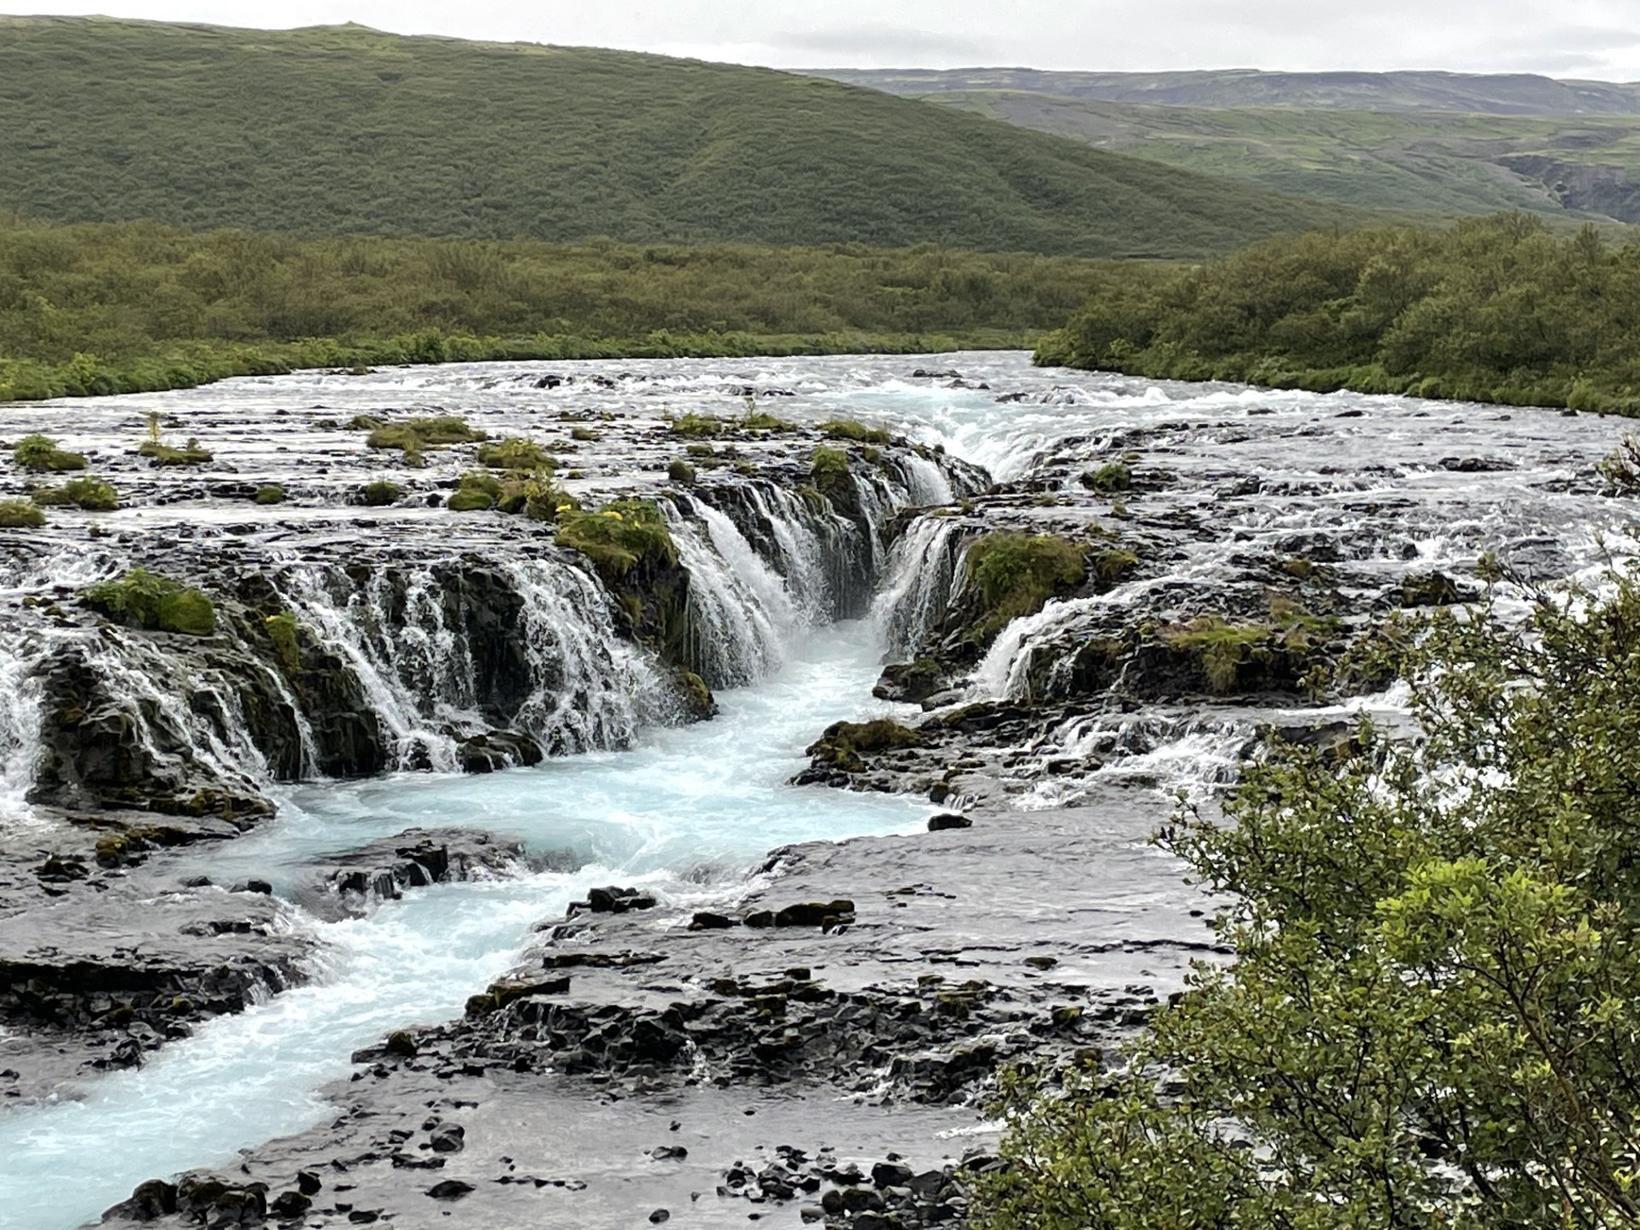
pixel 148 600
pixel 162 454
pixel 852 429
pixel 41 455
pixel 1015 574
pixel 380 494
pixel 91 494
pixel 20 515
pixel 843 742
pixel 616 536
pixel 270 493
pixel 414 436
pixel 282 630
pixel 515 453
pixel 1109 479
pixel 680 471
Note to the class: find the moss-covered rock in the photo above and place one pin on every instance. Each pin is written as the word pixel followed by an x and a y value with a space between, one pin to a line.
pixel 380 494
pixel 20 515
pixel 680 471
pixel 40 455
pixel 515 453
pixel 89 493
pixel 1015 574
pixel 1109 479
pixel 270 493
pixel 470 499
pixel 842 744
pixel 162 454
pixel 148 600
pixel 852 429
pixel 618 536
pixel 285 633
pixel 414 436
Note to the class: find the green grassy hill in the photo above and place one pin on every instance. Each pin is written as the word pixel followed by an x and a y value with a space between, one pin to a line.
pixel 1588 166
pixel 343 130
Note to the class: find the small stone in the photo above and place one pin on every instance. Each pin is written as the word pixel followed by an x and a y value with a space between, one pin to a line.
pixel 948 820
pixel 449 1189
pixel 658 1216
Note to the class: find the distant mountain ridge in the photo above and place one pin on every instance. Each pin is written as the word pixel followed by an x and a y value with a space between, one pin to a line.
pixel 345 130
pixel 1400 90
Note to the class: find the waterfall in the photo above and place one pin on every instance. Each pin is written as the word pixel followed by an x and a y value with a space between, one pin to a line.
pixel 415 693
pixel 1004 673
pixel 19 725
pixel 925 481
pixel 735 638
pixel 919 583
pixel 591 689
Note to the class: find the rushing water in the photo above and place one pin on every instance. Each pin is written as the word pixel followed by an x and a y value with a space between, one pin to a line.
pixel 685 813
pixel 686 810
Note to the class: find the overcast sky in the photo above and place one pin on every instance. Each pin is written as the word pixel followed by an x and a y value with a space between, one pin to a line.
pixel 1581 38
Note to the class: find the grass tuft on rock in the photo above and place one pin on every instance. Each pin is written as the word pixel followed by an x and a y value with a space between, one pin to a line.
pixel 40 454
pixel 414 436
pixel 853 429
pixel 380 494
pixel 1015 574
pixel 680 471
pixel 515 453
pixel 162 454
pixel 89 493
pixel 20 515
pixel 147 599
pixel 617 535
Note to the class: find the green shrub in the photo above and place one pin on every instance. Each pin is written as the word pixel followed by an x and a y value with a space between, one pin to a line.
pixel 850 429
pixel 515 454
pixel 20 515
pixel 380 494
pixel 618 535
pixel 87 492
pixel 1621 467
pixel 828 465
pixel 149 600
pixel 680 471
pixel 1015 574
pixel 270 493
pixel 41 455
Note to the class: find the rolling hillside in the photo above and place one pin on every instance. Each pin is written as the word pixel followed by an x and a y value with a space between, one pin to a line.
pixel 1421 161
pixel 1490 93
pixel 342 130
pixel 1449 143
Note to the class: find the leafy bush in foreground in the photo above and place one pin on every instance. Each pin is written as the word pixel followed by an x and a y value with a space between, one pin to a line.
pixel 1433 1016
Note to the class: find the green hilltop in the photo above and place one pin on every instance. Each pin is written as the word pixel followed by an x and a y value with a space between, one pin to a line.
pixel 343 130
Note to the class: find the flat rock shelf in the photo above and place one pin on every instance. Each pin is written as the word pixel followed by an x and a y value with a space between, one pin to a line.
pixel 677 791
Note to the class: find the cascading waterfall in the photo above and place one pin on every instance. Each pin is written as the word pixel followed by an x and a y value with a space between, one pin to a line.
pixel 922 575
pixel 925 481
pixel 19 724
pixel 802 557
pixel 591 689
pixel 414 695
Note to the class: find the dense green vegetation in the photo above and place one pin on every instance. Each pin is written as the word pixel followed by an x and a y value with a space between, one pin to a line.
pixel 343 130
pixel 1495 310
pixel 1432 1019
pixel 1581 165
pixel 105 309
